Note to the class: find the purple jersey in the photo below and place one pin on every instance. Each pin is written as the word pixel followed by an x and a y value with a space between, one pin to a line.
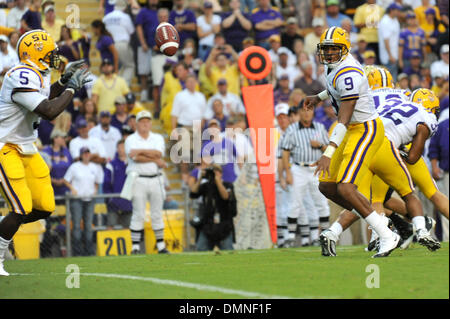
pixel 60 164
pixel 186 16
pixel 259 15
pixel 223 153
pixel 102 46
pixel 235 33
pixel 412 42
pixel 148 19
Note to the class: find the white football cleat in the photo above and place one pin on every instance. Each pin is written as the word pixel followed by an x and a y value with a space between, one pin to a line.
pixel 387 245
pixel 3 272
pixel 424 238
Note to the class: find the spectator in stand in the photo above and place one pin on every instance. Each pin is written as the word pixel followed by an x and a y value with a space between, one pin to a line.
pixel 158 64
pixel 236 25
pixel 414 82
pixel 105 44
pixel 369 57
pixel 441 67
pixel 296 96
pixel 126 131
pixel 282 92
pixel 8 56
pixel 412 39
pixel 119 209
pixel 347 24
pixel 313 38
pixel 61 160
pixel 439 156
pixel 306 83
pixel 88 110
pixel 220 150
pixel 414 65
pixel 218 66
pixel 276 49
pixel 208 25
pixel 173 82
pixel 366 19
pixel 14 17
pixel 433 28
pixel 32 17
pixel 266 20
pixel 290 34
pixel 334 17
pixel 388 37
pixel 146 23
pixel 51 23
pixel 189 106
pixel 107 134
pixel 217 107
pixel 247 42
pixel 67 47
pixel 189 56
pixel 325 114
pixel 14 38
pixel 294 114
pixel 97 151
pixel 83 179
pixel 421 10
pixel 303 11
pixel 361 47
pixel 131 122
pixel 184 21
pixel 403 81
pixel 133 107
pixel 107 87
pixel 283 68
pixel 121 27
pixel 232 103
pixel 120 116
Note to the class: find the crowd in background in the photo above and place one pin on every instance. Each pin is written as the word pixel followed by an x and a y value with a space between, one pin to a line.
pixel 202 82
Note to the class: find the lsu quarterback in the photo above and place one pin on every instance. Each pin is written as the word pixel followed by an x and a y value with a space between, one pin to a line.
pixel 355 139
pixel 26 96
pixel 405 121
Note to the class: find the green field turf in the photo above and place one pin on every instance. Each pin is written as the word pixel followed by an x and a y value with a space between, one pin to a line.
pixel 275 273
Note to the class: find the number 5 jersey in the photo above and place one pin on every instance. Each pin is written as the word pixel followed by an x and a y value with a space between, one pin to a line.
pixel 347 82
pixel 23 89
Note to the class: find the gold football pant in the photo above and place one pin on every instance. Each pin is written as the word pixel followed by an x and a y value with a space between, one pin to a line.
pixel 25 181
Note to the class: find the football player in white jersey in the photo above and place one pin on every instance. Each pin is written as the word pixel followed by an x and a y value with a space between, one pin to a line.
pixel 26 96
pixel 405 122
pixel 355 139
pixel 382 86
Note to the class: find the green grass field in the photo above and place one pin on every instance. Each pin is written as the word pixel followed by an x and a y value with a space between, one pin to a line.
pixel 275 273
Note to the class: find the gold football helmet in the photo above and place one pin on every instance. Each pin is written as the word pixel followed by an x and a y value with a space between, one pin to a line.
pixel 334 46
pixel 37 49
pixel 380 78
pixel 427 99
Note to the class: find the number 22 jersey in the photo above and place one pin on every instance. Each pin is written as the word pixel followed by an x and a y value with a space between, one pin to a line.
pixel 400 120
pixel 347 82
pixel 23 89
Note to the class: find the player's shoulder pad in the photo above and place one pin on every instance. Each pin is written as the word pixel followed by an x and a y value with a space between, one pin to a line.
pixel 347 69
pixel 24 76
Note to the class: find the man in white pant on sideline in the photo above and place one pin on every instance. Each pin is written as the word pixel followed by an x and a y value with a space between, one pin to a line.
pixel 145 151
pixel 303 144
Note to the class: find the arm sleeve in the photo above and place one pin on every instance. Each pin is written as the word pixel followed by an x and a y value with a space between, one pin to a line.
pixel 286 141
pixel 69 174
pixel 99 176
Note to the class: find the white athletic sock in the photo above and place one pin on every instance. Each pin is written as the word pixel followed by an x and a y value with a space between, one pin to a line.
pixel 314 233
pixel 336 228
pixel 160 245
pixel 378 224
pixel 419 222
pixel 4 244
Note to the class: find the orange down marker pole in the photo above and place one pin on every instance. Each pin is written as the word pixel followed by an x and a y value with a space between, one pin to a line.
pixel 255 64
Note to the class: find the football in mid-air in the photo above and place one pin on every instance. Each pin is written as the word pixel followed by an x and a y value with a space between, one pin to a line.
pixel 167 38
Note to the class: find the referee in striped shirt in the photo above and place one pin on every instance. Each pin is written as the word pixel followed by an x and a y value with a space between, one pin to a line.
pixel 302 145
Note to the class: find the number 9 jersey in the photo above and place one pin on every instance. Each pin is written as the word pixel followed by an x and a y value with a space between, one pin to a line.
pixel 23 89
pixel 348 82
pixel 400 119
